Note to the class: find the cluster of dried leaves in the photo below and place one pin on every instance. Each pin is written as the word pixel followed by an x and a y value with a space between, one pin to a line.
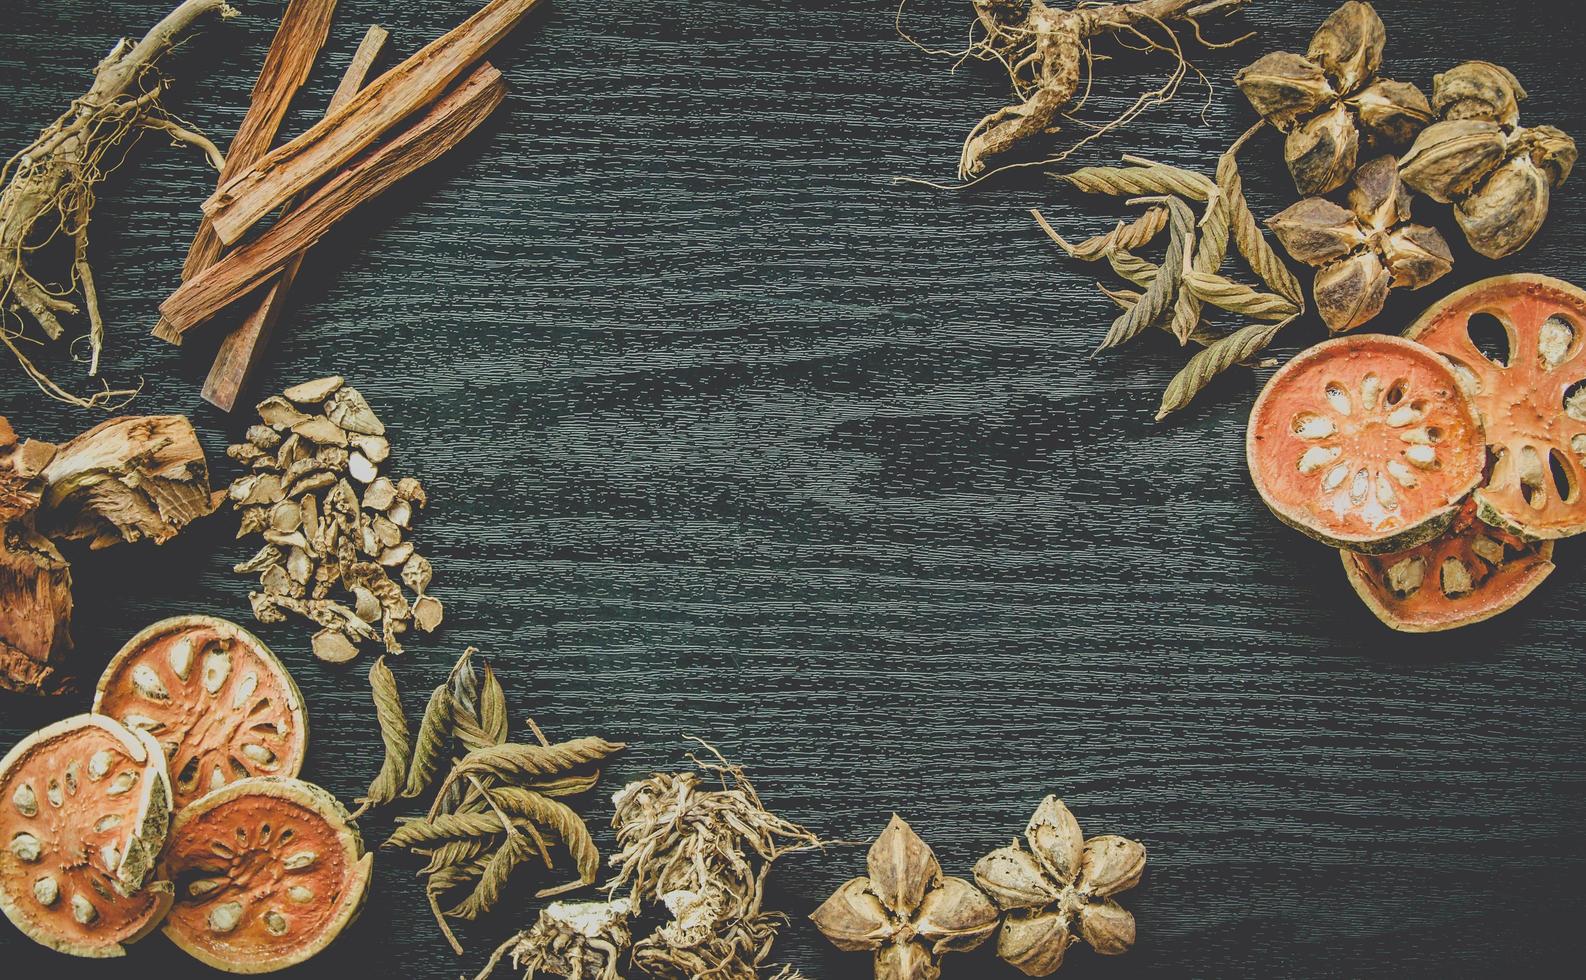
pixel 137 478
pixel 910 915
pixel 319 532
pixel 700 852
pixel 499 806
pixel 49 188
pixel 1173 294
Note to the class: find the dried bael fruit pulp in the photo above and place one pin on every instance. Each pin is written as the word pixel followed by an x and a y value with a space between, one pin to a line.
pixel 217 700
pixel 268 871
pixel 1531 401
pixel 84 808
pixel 1472 573
pixel 1366 443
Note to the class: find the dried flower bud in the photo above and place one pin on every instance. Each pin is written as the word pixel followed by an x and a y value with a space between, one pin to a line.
pixel 1550 148
pixel 1107 927
pixel 1321 151
pixel 1351 292
pixel 1506 211
pixel 1349 45
pixel 853 918
pixel 1113 864
pixel 1450 158
pixel 1316 231
pixel 1392 112
pixel 1013 877
pixel 902 867
pixel 1478 90
pixel 1034 943
pixel 956 916
pixel 1416 256
pixel 906 961
pixel 1056 840
pixel 1377 196
pixel 1284 87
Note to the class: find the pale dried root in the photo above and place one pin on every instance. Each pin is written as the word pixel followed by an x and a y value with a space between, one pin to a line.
pixel 49 191
pixel 1046 53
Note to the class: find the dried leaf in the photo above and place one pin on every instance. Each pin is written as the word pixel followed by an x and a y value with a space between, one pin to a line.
pixel 393 732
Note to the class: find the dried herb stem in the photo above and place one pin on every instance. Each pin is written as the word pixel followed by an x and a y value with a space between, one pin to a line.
pixel 1215 359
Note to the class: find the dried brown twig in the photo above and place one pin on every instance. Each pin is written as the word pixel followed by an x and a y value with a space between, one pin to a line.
pixel 49 192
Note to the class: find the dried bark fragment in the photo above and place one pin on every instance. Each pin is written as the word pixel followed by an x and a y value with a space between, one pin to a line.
pixel 127 479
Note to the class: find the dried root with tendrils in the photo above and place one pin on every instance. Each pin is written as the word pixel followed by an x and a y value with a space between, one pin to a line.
pixel 48 191
pixel 1046 52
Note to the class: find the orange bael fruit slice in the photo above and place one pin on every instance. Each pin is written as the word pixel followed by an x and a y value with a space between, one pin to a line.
pixel 215 698
pixel 1472 573
pixel 1533 413
pixel 1365 443
pixel 268 872
pixel 84 808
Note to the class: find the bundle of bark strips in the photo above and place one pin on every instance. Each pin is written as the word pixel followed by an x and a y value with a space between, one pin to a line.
pixel 370 138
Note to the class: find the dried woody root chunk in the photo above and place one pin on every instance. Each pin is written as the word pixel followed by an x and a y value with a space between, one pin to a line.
pixel 328 517
pixel 128 479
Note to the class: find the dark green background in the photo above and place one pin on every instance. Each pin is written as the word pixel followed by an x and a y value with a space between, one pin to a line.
pixel 728 434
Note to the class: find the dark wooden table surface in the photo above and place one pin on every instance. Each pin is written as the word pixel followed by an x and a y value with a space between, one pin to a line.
pixel 730 435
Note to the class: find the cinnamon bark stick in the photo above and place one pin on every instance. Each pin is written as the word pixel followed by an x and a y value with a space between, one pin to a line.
pixel 287 64
pixel 241 351
pixel 437 131
pixel 293 167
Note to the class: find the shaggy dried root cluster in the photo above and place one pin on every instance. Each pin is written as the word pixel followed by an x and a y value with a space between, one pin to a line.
pixel 704 854
pixel 48 193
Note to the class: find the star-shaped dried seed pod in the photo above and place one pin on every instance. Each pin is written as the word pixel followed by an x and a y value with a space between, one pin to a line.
pixel 1362 251
pixel 1063 879
pixel 906 910
pixel 1498 174
pixel 1326 98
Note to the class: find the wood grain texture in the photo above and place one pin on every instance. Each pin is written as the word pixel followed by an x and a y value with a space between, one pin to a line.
pixel 728 434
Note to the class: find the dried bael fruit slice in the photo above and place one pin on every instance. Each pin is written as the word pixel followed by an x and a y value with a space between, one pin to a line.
pixel 1472 573
pixel 268 871
pixel 1365 443
pixel 215 698
pixel 1531 398
pixel 84 808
